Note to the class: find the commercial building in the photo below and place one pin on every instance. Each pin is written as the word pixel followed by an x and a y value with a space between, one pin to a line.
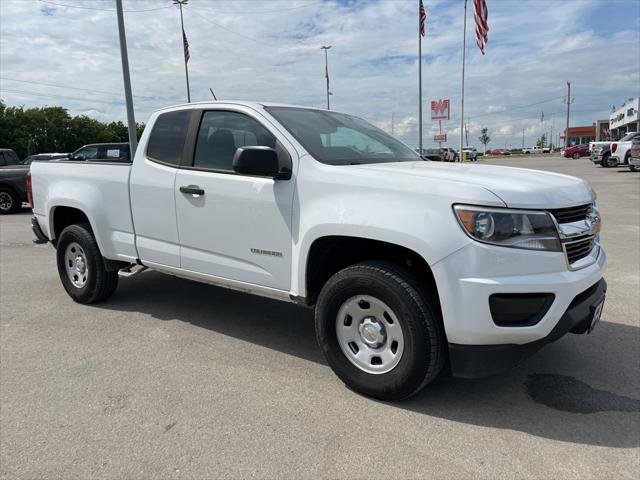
pixel 625 118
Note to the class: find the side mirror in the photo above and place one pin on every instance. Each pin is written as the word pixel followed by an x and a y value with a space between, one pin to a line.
pixel 257 161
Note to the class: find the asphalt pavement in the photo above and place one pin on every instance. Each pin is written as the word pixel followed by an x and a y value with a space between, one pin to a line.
pixel 175 379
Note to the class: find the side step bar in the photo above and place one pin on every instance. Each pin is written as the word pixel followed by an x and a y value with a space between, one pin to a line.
pixel 131 270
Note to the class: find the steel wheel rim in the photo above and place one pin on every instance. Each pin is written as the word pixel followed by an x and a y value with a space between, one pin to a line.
pixel 6 202
pixel 369 334
pixel 75 262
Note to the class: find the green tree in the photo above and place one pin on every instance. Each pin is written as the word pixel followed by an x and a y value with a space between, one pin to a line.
pixel 52 129
pixel 542 141
pixel 484 138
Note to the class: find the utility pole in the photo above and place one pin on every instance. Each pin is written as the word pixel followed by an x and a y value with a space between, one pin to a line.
pixel 392 124
pixel 466 134
pixel 131 119
pixel 523 138
pixel 185 46
pixel 568 101
pixel 326 71
pixel 464 46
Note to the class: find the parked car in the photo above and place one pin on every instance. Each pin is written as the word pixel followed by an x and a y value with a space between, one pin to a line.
pixel 471 153
pixel 13 182
pixel 531 150
pixel 450 155
pixel 577 151
pixel 435 154
pixel 500 151
pixel 45 156
pixel 621 150
pixel 597 151
pixel 100 152
pixel 409 264
pixel 601 156
pixel 634 155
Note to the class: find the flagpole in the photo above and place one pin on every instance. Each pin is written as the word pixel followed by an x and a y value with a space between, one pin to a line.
pixel 186 69
pixel 124 57
pixel 464 45
pixel 419 85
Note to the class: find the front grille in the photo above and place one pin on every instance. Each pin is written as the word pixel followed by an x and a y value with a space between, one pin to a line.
pixel 571 214
pixel 579 248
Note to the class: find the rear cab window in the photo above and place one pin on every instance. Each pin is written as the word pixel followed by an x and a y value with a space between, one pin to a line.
pixel 168 137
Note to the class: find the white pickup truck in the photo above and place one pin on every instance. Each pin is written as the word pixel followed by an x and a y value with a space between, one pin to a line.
pixel 621 149
pixel 414 267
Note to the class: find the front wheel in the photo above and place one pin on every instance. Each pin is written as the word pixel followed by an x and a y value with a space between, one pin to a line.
pixel 576 156
pixel 380 330
pixel 81 266
pixel 633 168
pixel 610 162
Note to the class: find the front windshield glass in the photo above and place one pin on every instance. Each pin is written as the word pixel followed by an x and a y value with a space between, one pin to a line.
pixel 339 139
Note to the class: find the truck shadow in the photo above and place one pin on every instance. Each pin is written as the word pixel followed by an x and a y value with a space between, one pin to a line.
pixel 538 398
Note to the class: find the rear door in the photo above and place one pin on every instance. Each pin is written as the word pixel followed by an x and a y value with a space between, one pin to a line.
pixel 151 191
pixel 239 227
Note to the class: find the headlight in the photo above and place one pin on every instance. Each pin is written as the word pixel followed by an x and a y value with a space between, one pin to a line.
pixel 529 229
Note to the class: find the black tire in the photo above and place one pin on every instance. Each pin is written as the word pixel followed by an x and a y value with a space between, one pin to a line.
pixel 9 201
pixel 633 168
pixel 610 162
pixel 100 283
pixel 418 314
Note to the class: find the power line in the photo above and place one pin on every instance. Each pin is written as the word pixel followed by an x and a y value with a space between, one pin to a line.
pixel 60 86
pixel 102 9
pixel 110 102
pixel 249 12
pixel 518 107
pixel 68 87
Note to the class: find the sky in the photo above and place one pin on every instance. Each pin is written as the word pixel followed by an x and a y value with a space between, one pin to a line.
pixel 66 52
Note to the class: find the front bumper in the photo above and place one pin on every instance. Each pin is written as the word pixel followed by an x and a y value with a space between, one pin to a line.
pixel 476 361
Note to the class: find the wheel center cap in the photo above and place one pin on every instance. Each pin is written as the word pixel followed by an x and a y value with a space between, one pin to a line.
pixel 372 332
pixel 80 265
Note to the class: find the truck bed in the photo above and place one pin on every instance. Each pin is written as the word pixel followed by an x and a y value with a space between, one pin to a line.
pixel 100 188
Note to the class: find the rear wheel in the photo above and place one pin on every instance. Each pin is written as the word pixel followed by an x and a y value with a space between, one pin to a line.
pixel 81 266
pixel 9 201
pixel 576 155
pixel 380 330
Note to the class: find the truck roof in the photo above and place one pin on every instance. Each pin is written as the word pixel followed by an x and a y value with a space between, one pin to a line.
pixel 251 104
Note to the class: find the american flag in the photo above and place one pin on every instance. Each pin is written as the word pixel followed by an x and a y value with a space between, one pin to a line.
pixel 482 26
pixel 186 47
pixel 423 20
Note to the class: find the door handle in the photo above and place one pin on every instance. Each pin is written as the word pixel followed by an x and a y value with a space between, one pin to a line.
pixel 192 189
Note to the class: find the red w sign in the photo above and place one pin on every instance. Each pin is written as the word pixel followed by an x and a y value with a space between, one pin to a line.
pixel 440 109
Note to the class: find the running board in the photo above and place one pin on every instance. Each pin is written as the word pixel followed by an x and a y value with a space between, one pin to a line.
pixel 131 270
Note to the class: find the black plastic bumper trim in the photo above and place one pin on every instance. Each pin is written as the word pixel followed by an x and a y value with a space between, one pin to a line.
pixel 477 361
pixel 37 231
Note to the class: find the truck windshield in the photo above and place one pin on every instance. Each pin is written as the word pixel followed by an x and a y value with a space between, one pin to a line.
pixel 339 139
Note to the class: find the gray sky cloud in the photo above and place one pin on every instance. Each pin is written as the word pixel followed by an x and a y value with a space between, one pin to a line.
pixel 269 50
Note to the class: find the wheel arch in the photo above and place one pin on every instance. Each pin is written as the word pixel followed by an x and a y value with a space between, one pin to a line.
pixel 329 254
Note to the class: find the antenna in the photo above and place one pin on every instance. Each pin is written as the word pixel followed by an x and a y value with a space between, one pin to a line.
pixel 214 95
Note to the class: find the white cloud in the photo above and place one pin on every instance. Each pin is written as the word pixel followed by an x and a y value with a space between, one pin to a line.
pixel 270 51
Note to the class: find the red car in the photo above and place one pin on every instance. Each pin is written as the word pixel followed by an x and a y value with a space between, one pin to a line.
pixel 499 151
pixel 577 151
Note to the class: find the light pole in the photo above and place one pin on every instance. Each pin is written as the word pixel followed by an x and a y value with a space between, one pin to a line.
pixel 185 46
pixel 131 119
pixel 326 71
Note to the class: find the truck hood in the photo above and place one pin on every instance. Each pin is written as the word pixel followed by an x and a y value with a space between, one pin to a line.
pixel 516 187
